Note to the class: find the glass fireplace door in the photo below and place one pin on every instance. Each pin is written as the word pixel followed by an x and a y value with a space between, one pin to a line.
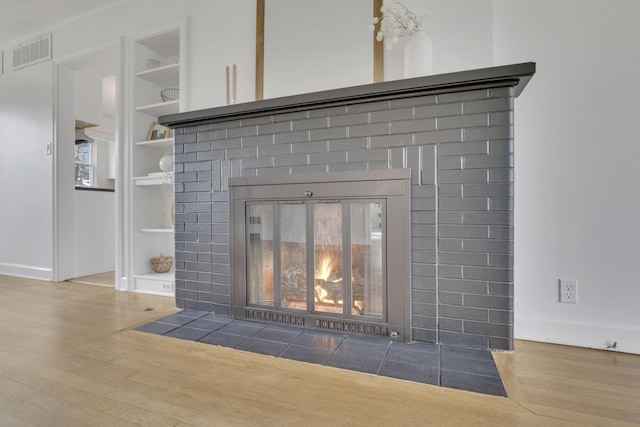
pixel 293 256
pixel 328 281
pixel 260 254
pixel 367 259
pixel 296 257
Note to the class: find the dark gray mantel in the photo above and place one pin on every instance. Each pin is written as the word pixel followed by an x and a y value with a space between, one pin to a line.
pixel 453 133
pixel 516 75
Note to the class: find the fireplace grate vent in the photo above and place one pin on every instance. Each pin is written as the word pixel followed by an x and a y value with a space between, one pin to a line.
pixel 265 316
pixel 352 327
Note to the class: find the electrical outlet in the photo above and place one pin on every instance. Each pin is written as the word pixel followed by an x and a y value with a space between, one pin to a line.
pixel 569 291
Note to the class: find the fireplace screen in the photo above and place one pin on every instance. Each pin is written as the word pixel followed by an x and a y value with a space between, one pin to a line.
pixel 323 259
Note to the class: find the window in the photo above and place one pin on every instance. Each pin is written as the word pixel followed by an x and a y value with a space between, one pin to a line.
pixel 84 164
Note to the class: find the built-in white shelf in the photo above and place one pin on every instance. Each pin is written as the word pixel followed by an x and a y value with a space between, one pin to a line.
pixel 155 276
pixel 167 76
pixel 156 230
pixel 160 144
pixel 151 180
pixel 160 109
pixel 165 44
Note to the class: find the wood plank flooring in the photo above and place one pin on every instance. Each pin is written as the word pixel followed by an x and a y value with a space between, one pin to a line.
pixel 103 279
pixel 69 357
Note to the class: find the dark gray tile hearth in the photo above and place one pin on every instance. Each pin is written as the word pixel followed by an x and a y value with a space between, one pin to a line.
pixel 447 366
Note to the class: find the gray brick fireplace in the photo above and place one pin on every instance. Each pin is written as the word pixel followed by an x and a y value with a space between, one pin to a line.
pixel 452 133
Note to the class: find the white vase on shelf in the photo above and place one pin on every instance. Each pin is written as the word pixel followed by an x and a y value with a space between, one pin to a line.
pixel 166 166
pixel 166 163
pixel 418 55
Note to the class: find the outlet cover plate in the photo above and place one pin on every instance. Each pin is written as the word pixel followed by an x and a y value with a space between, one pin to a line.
pixel 569 291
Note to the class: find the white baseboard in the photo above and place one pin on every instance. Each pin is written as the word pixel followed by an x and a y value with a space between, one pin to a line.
pixel 578 334
pixel 122 284
pixel 27 271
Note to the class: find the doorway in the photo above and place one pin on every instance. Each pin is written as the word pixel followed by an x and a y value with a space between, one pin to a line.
pixel 85 171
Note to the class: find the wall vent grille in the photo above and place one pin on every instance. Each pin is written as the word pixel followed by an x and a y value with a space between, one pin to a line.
pixel 31 52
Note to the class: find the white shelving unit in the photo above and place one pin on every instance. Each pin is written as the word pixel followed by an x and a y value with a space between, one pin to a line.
pixel 159 109
pixel 165 144
pixel 143 181
pixel 157 58
pixel 164 76
pixel 156 230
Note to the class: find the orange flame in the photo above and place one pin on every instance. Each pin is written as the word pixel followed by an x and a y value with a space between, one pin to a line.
pixel 324 269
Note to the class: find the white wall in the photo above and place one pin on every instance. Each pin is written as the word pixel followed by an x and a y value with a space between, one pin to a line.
pixel 94 232
pixel 88 94
pixel 576 172
pixel 294 64
pixel 222 33
pixel 104 156
pixel 26 105
pixel 64 176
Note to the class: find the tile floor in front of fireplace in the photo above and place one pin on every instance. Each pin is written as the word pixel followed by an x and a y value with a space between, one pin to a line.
pixel 447 366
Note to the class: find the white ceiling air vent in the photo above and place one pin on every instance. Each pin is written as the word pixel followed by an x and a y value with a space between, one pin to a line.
pixel 31 52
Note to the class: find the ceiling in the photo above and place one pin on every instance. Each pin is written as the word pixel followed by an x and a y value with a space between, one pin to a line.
pixel 20 18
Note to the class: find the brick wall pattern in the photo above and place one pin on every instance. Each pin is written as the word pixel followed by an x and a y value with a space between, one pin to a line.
pixel 459 147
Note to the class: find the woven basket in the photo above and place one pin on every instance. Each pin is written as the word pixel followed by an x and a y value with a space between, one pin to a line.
pixel 169 94
pixel 161 264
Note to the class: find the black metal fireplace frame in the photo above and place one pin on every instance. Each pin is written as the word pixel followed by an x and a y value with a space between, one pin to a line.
pixel 392 185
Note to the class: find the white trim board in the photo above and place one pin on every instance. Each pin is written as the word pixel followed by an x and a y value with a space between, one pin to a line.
pixel 578 334
pixel 26 271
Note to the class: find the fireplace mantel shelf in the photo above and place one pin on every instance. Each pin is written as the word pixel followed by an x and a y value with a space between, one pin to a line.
pixel 516 75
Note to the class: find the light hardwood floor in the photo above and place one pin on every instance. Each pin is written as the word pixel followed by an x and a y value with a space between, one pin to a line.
pixel 103 279
pixel 69 357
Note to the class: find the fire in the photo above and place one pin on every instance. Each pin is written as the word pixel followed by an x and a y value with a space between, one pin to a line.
pixel 328 288
pixel 325 268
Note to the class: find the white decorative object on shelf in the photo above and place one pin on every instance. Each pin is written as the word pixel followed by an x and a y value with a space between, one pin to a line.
pixel 166 163
pixel 418 55
pixel 398 23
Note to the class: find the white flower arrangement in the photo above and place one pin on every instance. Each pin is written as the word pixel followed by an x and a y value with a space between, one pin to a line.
pixel 397 21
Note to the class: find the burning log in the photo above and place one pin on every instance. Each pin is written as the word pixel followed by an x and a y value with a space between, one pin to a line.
pixel 294 283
